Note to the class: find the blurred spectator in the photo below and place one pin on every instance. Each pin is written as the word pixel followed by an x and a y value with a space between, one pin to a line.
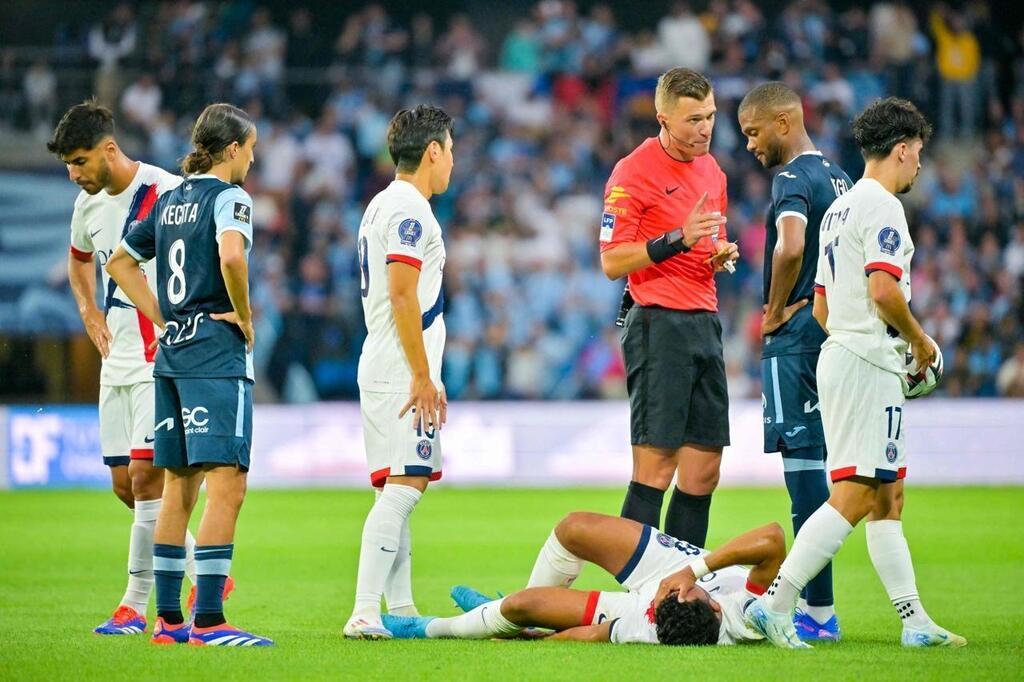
pixel 1010 379
pixel 41 97
pixel 140 104
pixel 110 41
pixel 684 39
pixel 958 59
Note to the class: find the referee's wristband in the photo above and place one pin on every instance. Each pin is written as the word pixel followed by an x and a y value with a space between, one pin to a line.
pixel 670 244
pixel 699 568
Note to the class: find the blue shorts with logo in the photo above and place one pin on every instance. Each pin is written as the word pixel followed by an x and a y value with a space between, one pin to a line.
pixel 202 422
pixel 789 402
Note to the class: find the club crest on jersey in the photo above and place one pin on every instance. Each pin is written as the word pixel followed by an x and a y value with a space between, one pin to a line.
pixel 891 452
pixel 409 231
pixel 424 449
pixel 665 540
pixel 242 213
pixel 889 240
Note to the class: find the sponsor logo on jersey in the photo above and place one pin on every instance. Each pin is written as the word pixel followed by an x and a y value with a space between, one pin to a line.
pixel 424 449
pixel 665 540
pixel 242 213
pixel 195 420
pixel 808 408
pixel 787 174
pixel 798 429
pixel 166 424
pixel 889 240
pixel 891 452
pixel 607 226
pixel 410 231
pixel 616 193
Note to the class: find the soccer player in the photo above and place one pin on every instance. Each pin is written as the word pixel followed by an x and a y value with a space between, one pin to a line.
pixel 663 227
pixel 677 593
pixel 116 191
pixel 199 234
pixel 862 294
pixel 402 400
pixel 771 118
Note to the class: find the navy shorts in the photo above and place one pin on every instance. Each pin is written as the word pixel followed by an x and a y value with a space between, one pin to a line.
pixel 203 422
pixel 789 402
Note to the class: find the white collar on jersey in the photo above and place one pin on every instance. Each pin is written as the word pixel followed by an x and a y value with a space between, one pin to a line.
pixel 201 176
pixel 813 152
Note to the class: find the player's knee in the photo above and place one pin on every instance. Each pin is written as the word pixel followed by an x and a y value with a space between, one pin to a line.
pixel 518 606
pixel 573 527
pixel 776 537
pixel 123 490
pixel 146 480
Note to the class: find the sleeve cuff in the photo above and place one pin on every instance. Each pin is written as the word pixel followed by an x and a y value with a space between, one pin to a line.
pixel 131 252
pixel 244 231
pixel 790 214
pixel 819 288
pixel 884 267
pixel 78 254
pixel 408 260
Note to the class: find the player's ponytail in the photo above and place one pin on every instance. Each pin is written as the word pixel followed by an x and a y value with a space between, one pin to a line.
pixel 217 127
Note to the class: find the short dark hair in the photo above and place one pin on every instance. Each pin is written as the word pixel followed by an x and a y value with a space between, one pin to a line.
pixel 886 123
pixel 82 127
pixel 691 623
pixel 680 82
pixel 770 96
pixel 411 130
pixel 218 126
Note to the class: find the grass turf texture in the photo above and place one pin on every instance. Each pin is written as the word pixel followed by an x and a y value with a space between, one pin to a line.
pixel 64 554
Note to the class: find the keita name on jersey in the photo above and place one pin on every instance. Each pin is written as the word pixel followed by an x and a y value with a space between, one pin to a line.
pixel 177 214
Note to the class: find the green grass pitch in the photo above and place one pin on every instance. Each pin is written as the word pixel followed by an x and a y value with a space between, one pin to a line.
pixel 63 555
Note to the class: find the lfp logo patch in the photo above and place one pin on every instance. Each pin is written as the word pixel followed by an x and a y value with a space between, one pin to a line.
pixel 665 540
pixel 409 231
pixel 889 240
pixel 607 226
pixel 424 449
pixel 891 452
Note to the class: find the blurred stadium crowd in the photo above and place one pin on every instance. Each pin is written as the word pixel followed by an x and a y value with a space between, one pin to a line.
pixel 543 112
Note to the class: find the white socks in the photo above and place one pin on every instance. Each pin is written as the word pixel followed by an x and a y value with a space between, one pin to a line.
pixel 891 558
pixel 555 566
pixel 821 614
pixel 140 555
pixel 381 543
pixel 398 586
pixel 483 622
pixel 816 544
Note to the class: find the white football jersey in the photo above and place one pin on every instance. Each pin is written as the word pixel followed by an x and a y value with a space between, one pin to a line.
pixel 399 226
pixel 863 231
pixel 633 612
pixel 98 224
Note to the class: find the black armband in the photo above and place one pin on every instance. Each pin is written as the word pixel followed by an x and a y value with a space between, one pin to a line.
pixel 667 245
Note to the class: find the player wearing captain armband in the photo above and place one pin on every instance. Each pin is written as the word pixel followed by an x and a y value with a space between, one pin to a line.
pixel 401 397
pixel 677 593
pixel 862 296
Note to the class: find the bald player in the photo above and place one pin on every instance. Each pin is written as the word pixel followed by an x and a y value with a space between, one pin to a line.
pixel 771 117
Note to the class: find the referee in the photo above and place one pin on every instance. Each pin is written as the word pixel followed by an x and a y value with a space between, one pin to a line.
pixel 663 226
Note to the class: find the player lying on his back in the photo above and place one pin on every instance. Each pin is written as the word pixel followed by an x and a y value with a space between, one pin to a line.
pixel 715 588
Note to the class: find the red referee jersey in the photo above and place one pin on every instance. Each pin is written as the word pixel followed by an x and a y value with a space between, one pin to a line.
pixel 650 193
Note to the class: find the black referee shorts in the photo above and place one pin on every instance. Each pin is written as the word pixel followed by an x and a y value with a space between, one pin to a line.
pixel 675 376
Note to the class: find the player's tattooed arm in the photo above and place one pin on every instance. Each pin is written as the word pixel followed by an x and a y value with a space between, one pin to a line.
pixel 124 269
pixel 763 548
pixel 586 633
pixel 82 277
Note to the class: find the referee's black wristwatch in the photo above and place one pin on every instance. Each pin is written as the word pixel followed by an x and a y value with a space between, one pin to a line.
pixel 670 244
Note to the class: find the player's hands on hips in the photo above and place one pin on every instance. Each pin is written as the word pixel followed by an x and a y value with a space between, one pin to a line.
pixel 425 401
pixel 700 224
pixel 679 583
pixel 244 325
pixel 770 323
pixel 728 252
pixel 96 327
pixel 923 350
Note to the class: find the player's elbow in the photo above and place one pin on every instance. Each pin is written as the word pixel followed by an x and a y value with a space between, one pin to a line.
pixel 611 269
pixel 233 262
pixel 791 252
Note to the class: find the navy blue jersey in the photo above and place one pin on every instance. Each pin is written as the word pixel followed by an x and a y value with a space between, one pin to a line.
pixel 805 187
pixel 182 233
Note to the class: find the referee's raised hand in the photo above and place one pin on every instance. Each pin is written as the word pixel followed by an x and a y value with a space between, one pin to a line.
pixel 699 224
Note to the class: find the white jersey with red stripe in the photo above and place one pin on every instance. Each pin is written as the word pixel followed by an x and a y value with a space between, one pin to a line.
pixel 632 613
pixel 98 224
pixel 864 230
pixel 399 226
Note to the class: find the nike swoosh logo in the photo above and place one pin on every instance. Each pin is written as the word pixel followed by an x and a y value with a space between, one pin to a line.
pixel 92 235
pixel 669 191
pixel 385 549
pixel 147 439
pixel 131 572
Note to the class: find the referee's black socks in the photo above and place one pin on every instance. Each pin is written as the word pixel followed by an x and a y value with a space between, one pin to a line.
pixel 687 517
pixel 643 504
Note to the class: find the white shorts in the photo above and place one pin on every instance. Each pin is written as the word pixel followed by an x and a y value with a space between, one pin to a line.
pixel 862 413
pixel 126 423
pixel 393 446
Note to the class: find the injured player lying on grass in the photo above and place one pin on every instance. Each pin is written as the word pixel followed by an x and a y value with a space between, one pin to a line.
pixel 677 593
